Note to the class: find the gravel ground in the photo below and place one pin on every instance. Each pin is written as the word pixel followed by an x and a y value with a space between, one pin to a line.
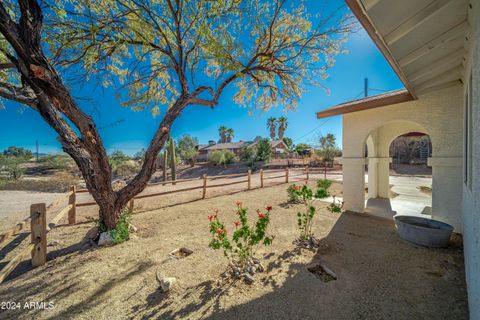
pixel 379 276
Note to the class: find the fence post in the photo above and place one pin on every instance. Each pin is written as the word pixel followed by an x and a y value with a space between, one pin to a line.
pixel 72 200
pixel 286 175
pixel 38 226
pixel 131 203
pixel 204 191
pixel 306 170
pixel 261 178
pixel 249 179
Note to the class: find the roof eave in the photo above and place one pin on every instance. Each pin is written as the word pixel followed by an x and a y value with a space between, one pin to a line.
pixel 385 99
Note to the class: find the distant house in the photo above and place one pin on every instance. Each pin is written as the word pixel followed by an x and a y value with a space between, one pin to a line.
pixel 204 151
pixel 278 146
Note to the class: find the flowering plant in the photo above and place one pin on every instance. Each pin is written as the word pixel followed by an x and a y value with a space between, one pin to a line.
pixel 239 249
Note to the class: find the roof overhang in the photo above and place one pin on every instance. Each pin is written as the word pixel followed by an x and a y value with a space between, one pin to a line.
pixel 371 102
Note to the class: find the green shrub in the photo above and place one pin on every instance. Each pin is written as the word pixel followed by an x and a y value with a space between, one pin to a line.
pixel 293 193
pixel 264 150
pixel 324 184
pixel 57 162
pixel 240 248
pixel 12 166
pixel 248 154
pixel 122 232
pixel 222 157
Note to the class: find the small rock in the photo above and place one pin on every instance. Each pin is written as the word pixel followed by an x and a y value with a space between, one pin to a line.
pixel 53 243
pixel 167 283
pixel 252 270
pixel 105 239
pixel 132 228
pixel 260 267
pixel 248 278
pixel 255 261
pixel 92 234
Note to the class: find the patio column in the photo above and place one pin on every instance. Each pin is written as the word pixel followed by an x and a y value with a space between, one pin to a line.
pixel 354 183
pixel 372 177
pixel 384 177
pixel 447 189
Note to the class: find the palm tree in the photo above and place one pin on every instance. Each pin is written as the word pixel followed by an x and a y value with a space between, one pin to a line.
pixel 222 131
pixel 229 135
pixel 282 126
pixel 272 125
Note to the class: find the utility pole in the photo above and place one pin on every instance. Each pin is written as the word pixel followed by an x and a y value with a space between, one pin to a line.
pixel 366 87
pixel 36 144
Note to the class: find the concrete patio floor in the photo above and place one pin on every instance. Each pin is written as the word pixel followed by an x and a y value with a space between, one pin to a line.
pixel 409 200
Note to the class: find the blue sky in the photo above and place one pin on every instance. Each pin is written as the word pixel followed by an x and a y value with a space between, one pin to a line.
pixel 130 131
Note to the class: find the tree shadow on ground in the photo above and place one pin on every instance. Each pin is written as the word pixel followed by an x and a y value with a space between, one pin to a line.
pixel 379 276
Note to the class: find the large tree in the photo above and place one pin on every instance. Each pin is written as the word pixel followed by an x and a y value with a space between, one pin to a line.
pixel 165 55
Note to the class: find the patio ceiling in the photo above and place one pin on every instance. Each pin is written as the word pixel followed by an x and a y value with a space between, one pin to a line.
pixel 424 41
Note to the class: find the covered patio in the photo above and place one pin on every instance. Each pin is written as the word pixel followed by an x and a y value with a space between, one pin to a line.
pixel 433 47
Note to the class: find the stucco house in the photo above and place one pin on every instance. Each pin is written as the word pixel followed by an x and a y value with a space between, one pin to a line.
pixel 278 146
pixel 434 47
pixel 234 147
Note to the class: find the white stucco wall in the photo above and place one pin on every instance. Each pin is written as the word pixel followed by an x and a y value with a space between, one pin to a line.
pixel 440 114
pixel 471 196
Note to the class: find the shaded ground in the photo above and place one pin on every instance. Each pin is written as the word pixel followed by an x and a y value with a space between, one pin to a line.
pixel 379 276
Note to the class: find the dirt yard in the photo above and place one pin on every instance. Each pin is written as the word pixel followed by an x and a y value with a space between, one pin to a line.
pixel 379 275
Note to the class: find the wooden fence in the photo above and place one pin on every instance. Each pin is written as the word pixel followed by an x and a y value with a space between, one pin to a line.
pixel 38 212
pixel 38 233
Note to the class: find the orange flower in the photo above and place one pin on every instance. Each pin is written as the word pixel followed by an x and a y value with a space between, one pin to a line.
pixel 238 203
pixel 236 223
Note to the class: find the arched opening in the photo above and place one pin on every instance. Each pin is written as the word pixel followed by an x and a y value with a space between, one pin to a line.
pixel 397 179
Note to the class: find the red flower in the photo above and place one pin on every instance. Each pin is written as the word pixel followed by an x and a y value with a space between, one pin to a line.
pixel 269 208
pixel 211 217
pixel 236 223
pixel 221 231
pixel 261 216
pixel 238 203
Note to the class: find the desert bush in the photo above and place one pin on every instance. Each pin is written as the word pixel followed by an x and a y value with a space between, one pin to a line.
pixel 240 247
pixel 187 149
pixel 249 155
pixel 11 165
pixel 222 157
pixel 125 169
pixel 57 162
pixel 18 152
pixel 324 184
pixel 293 193
pixel 264 150
pixel 122 165
pixel 307 197
pixel 122 231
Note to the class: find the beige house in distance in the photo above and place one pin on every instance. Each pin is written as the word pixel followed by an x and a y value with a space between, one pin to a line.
pixel 434 47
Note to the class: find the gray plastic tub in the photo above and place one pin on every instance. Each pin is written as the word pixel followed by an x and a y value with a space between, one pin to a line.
pixel 423 231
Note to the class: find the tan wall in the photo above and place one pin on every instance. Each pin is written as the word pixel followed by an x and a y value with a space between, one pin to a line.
pixel 439 114
pixel 471 196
